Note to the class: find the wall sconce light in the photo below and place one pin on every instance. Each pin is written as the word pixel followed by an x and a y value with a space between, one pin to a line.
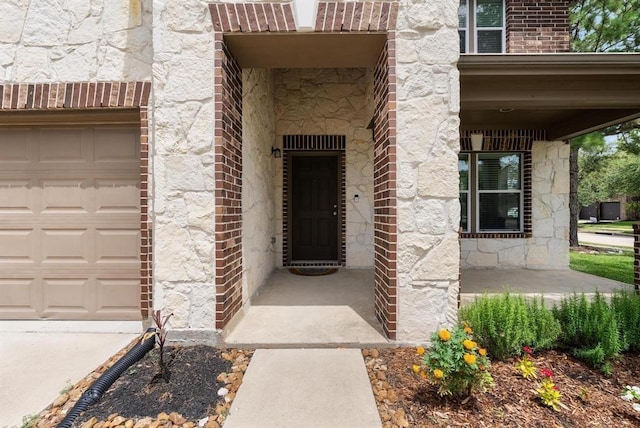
pixel 476 142
pixel 276 152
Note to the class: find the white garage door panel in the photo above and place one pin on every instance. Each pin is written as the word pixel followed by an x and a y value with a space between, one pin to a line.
pixel 70 223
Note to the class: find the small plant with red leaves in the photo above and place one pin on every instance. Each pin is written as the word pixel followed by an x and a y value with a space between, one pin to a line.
pixel 548 391
pixel 525 365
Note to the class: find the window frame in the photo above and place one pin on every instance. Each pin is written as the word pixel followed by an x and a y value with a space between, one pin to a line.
pixel 471 43
pixel 467 192
pixel 474 192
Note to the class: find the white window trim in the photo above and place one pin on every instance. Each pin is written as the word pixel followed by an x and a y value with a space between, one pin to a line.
pixel 468 193
pixel 471 8
pixel 473 162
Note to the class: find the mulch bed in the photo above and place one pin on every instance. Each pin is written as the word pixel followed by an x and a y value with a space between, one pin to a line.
pixel 190 398
pixel 141 398
pixel 592 399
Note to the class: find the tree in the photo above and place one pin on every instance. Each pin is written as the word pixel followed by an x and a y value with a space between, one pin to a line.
pixel 599 26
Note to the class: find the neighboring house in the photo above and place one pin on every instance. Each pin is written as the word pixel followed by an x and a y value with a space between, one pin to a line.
pixel 184 149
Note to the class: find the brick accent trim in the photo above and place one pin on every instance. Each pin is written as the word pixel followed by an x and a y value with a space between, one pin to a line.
pixel 146 225
pixel 636 257
pixel 252 17
pixel 509 141
pixel 385 202
pixel 537 26
pixel 315 143
pixel 503 140
pixel 76 95
pixel 228 183
pixel 356 16
pixel 98 95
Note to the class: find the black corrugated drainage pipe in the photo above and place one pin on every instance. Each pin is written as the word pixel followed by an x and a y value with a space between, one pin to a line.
pixel 97 388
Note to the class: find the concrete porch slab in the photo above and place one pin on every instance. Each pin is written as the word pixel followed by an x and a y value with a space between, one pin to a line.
pixel 292 310
pixel 305 388
pixel 553 284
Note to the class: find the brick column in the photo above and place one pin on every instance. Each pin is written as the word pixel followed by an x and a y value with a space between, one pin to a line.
pixel 228 174
pixel 636 253
pixel 385 211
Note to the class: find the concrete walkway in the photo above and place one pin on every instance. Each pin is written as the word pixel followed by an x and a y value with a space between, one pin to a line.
pixel 313 388
pixel 35 367
pixel 617 240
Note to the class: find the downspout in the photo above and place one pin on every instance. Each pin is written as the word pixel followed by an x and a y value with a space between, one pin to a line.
pixel 97 388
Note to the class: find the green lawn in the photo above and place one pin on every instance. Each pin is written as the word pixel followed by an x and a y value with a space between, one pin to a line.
pixel 618 227
pixel 613 266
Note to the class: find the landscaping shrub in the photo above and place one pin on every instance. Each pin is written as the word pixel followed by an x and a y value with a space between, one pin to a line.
pixel 455 363
pixel 626 306
pixel 589 329
pixel 506 323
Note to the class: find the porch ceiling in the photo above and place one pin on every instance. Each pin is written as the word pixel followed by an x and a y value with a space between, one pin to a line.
pixel 305 50
pixel 565 94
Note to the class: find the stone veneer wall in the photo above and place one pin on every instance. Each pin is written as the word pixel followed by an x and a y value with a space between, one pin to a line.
pixel 258 184
pixel 428 105
pixel 184 164
pixel 537 26
pixel 76 40
pixel 548 247
pixel 332 102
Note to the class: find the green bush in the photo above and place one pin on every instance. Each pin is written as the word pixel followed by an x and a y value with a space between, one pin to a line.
pixel 626 306
pixel 456 363
pixel 506 323
pixel 589 329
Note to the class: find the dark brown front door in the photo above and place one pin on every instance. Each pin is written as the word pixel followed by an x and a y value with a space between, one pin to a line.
pixel 315 208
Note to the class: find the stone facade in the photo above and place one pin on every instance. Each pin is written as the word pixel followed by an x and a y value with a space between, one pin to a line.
pixel 333 102
pixel 428 100
pixel 215 191
pixel 50 41
pixel 183 164
pixel 258 180
pixel 548 247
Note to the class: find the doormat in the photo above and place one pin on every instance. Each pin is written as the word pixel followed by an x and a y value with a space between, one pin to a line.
pixel 312 271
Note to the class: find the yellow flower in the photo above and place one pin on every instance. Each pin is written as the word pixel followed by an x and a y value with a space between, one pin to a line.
pixel 469 344
pixel 438 374
pixel 469 359
pixel 468 330
pixel 420 350
pixel 482 351
pixel 423 375
pixel 416 369
pixel 444 335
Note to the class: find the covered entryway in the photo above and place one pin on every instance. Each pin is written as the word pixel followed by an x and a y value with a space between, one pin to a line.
pixel 324 102
pixel 70 222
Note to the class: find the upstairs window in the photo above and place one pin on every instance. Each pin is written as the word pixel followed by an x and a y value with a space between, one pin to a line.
pixel 483 30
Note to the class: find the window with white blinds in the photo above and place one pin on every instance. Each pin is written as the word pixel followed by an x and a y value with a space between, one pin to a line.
pixel 491 196
pixel 483 30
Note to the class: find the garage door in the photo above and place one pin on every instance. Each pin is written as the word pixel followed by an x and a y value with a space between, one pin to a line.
pixel 70 223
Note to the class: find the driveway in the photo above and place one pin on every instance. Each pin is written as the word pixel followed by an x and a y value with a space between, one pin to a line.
pixel 35 367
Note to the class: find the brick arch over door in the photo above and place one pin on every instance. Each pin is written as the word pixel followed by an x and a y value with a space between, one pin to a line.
pixel 278 17
pixel 108 97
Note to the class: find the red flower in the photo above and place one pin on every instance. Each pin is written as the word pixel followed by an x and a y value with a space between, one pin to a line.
pixel 546 372
pixel 527 350
pixel 555 387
